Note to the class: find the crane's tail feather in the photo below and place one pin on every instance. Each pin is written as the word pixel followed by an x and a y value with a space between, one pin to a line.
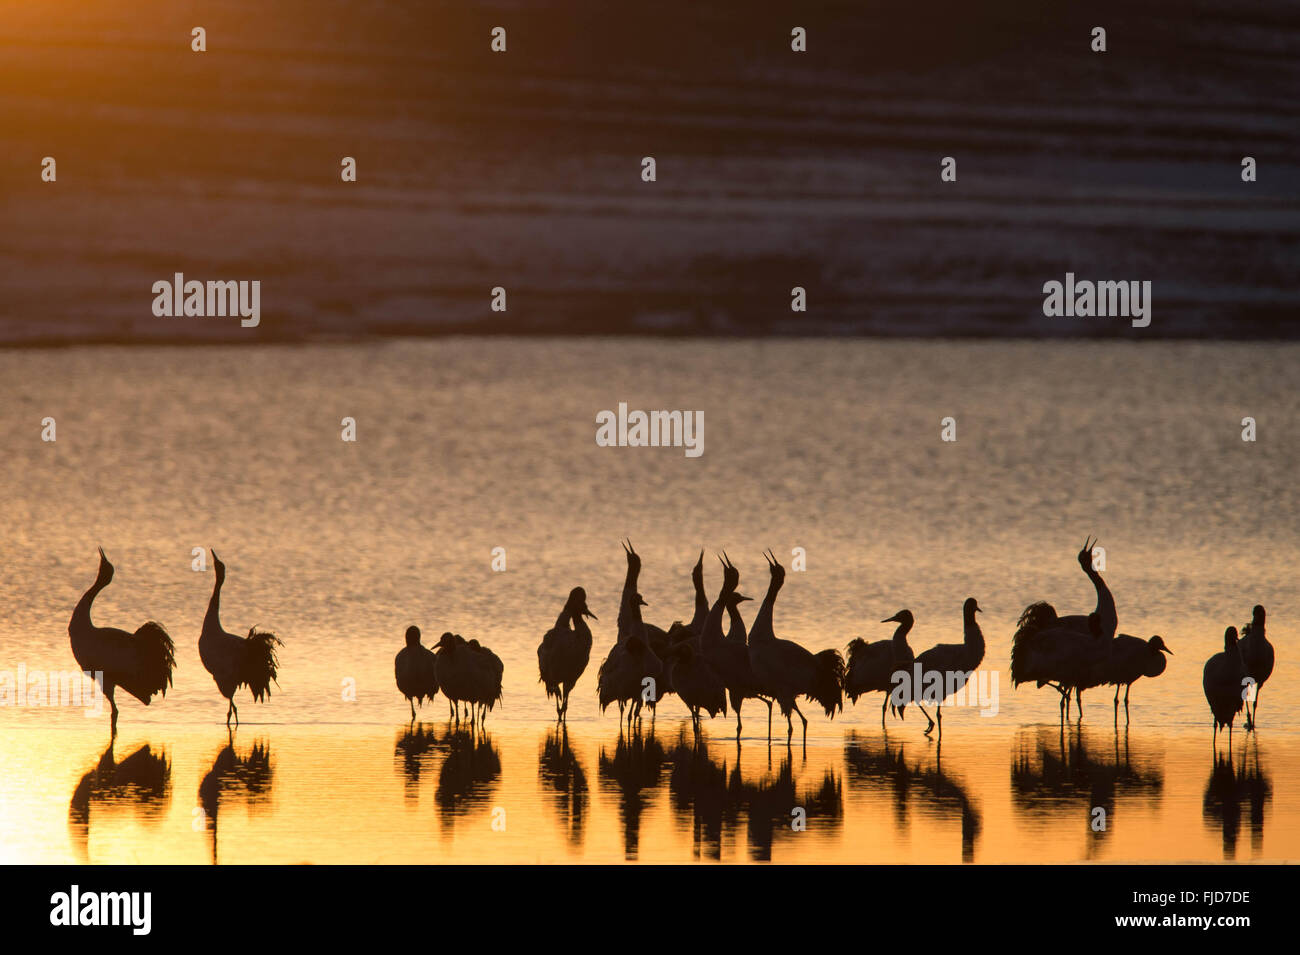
pixel 1036 618
pixel 260 663
pixel 828 683
pixel 156 656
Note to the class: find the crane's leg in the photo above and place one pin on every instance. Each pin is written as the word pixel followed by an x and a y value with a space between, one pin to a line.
pixel 769 721
pixel 737 704
pixel 412 702
pixel 112 718
pixel 1126 692
pixel 929 722
pixel 883 706
pixel 1117 704
pixel 236 709
pixel 805 723
pixel 1078 695
pixel 939 714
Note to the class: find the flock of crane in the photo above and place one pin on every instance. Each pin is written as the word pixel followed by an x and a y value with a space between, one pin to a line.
pixel 701 664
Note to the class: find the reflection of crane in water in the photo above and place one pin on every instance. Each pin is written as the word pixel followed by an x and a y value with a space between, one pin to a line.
pixel 633 771
pixel 141 782
pixel 1056 770
pixel 882 767
pixel 561 771
pixel 243 778
pixel 468 775
pixel 717 798
pixel 1227 789
pixel 414 753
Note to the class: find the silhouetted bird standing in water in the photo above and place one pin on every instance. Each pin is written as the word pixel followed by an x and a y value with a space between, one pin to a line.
pixel 140 663
pixel 232 660
pixel 1257 656
pixel 1060 652
pixel 416 669
pixel 1129 659
pixel 738 672
pixel 1224 683
pixel 784 670
pixel 565 650
pixel 630 663
pixel 954 662
pixel 697 683
pixel 871 666
pixel 470 673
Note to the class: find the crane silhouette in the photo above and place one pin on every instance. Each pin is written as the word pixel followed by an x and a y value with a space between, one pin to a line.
pixel 1224 681
pixel 631 662
pixel 416 670
pixel 1129 659
pixel 871 666
pixel 1059 652
pixel 565 650
pixel 785 671
pixel 140 663
pixel 236 661
pixel 469 672
pixel 1257 655
pixel 955 663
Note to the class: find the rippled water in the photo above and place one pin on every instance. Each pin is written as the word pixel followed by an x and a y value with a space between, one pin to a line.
pixel 465 445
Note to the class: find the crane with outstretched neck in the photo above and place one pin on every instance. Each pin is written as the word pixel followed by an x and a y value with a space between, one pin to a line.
pixel 236 661
pixel 784 671
pixel 1060 652
pixel 140 663
pixel 565 650
pixel 871 666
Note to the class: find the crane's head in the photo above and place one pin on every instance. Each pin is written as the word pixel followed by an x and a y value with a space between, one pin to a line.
pixel 105 569
pixel 1085 555
pixel 1257 617
pixel 902 617
pixel 633 559
pixel 697 572
pixel 736 599
pixel 971 607
pixel 1157 643
pixel 639 601
pixel 412 636
pixel 578 603
pixel 774 566
pixel 218 565
pixel 447 641
pixel 730 575
pixel 1229 638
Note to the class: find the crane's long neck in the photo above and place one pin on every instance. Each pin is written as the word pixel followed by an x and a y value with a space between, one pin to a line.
pixel 562 621
pixel 900 636
pixel 212 620
pixel 762 626
pixel 973 636
pixel 1107 616
pixel 81 613
pixel 701 601
pixel 629 595
pixel 712 632
pixel 737 632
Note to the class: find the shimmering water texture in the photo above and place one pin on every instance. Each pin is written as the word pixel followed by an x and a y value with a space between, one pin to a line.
pixel 468 445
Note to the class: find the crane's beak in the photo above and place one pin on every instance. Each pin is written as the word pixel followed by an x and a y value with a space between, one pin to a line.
pixel 588 613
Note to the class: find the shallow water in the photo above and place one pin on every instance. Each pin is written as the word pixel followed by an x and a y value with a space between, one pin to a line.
pixel 361 794
pixel 465 445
